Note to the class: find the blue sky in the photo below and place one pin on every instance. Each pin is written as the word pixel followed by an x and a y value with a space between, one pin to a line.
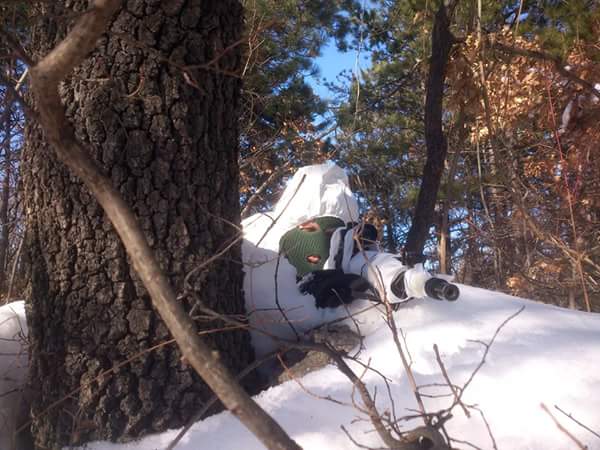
pixel 331 63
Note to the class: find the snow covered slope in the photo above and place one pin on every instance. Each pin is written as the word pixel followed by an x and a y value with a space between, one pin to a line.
pixel 544 355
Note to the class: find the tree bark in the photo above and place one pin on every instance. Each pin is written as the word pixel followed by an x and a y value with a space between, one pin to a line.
pixel 444 245
pixel 437 147
pixel 171 150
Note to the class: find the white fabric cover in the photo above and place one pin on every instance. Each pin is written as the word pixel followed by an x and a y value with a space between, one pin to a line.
pixel 320 190
pixel 313 191
pixel 347 248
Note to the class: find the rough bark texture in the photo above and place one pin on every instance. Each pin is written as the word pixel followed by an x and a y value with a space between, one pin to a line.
pixel 437 147
pixel 171 149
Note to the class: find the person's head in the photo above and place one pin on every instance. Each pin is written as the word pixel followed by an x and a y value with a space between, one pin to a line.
pixel 307 246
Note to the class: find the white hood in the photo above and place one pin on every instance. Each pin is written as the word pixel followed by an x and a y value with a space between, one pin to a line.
pixel 320 190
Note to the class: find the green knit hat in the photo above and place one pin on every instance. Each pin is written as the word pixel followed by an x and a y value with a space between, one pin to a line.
pixel 307 246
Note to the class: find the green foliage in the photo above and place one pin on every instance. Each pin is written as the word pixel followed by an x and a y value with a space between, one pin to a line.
pixel 558 25
pixel 280 107
pixel 381 116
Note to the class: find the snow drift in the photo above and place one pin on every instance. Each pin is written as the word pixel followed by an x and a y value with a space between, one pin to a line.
pixel 543 355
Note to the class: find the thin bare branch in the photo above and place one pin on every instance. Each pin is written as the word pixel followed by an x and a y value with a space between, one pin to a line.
pixel 277 173
pixel 487 346
pixel 281 310
pixel 487 426
pixel 198 416
pixel 452 387
pixel 570 416
pixel 562 428
pixel 282 211
pixel 18 49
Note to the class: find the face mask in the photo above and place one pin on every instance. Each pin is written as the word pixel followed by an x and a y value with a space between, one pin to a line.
pixel 307 246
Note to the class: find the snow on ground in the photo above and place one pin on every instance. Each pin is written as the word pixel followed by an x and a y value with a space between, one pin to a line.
pixel 544 355
pixel 13 367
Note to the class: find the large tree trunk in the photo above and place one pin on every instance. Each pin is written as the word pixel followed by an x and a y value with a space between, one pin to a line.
pixel 169 143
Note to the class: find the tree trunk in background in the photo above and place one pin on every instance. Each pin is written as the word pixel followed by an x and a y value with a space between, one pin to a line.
pixel 4 237
pixel 469 262
pixel 444 249
pixel 6 124
pixel 572 288
pixel 390 225
pixel 445 239
pixel 169 143
pixel 437 147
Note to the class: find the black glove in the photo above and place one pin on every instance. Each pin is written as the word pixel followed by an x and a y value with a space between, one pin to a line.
pixel 332 288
